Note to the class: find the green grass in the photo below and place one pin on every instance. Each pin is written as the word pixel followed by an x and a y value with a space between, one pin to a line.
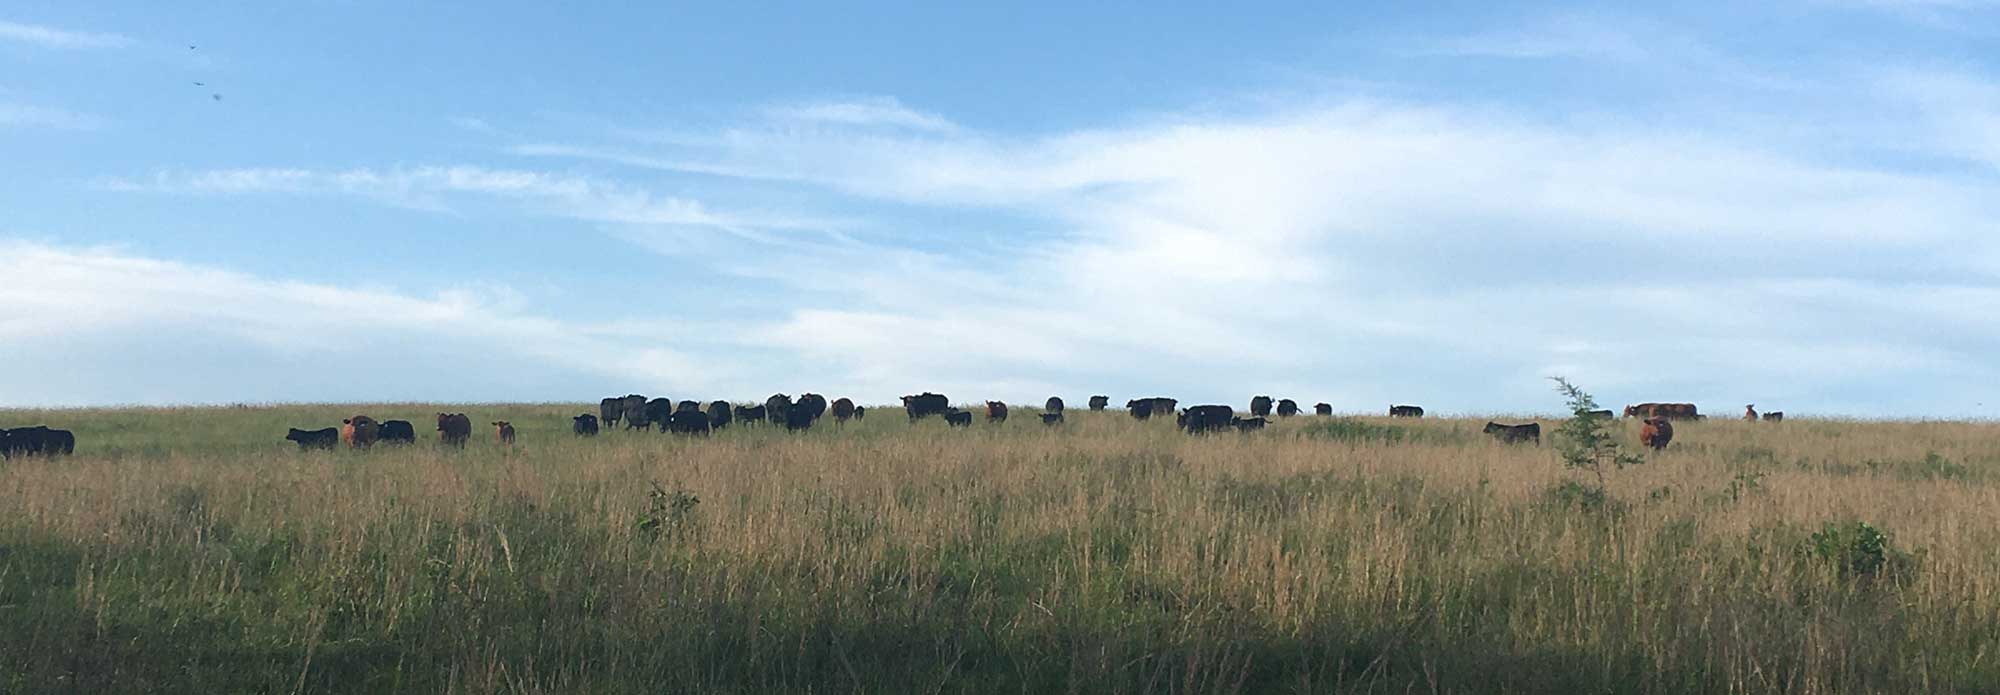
pixel 193 550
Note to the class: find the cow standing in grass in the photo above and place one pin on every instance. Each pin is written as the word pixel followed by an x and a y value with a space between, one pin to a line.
pixel 584 425
pixel 1657 433
pixel 454 429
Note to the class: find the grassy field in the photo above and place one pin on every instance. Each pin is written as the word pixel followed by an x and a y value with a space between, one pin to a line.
pixel 193 550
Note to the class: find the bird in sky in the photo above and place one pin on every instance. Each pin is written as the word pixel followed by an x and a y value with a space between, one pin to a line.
pixel 218 97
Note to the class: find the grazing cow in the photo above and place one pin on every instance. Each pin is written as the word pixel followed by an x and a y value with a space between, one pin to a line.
pixel 633 408
pixel 1053 405
pixel 925 405
pixel 1260 406
pixel 1099 402
pixel 1247 424
pixel 688 407
pixel 1405 411
pixel 1323 409
pixel 396 432
pixel 799 416
pixel 1657 433
pixel 750 414
pixel 1515 434
pixel 815 404
pixel 1202 419
pixel 1144 408
pixel 453 429
pixel 958 418
pixel 503 431
pixel 1750 413
pixel 1287 407
pixel 687 422
pixel 996 411
pixel 1052 419
pixel 778 407
pixel 359 431
pixel 609 410
pixel 1672 411
pixel 584 425
pixel 1775 416
pixel 1600 414
pixel 38 440
pixel 843 409
pixel 323 438
pixel 654 412
pixel 719 415
pixel 860 411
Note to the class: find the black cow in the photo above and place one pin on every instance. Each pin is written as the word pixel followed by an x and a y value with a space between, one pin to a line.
pixel 1260 406
pixel 1287 407
pixel 860 411
pixel 1515 434
pixel 776 407
pixel 1052 419
pixel 843 410
pixel 1247 424
pixel 584 425
pixel 958 418
pixel 925 405
pixel 996 411
pixel 1774 416
pixel 36 441
pixel 1147 407
pixel 1140 410
pixel 654 412
pixel 687 422
pixel 1405 411
pixel 687 407
pixel 799 416
pixel 324 438
pixel 814 403
pixel 1053 405
pixel 610 410
pixel 1100 402
pixel 719 415
pixel 1323 409
pixel 396 432
pixel 750 414
pixel 1202 419
pixel 633 411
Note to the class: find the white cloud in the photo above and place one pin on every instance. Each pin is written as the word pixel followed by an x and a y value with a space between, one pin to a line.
pixel 28 116
pixel 870 112
pixel 56 38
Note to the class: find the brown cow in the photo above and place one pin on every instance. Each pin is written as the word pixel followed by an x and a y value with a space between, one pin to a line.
pixel 1657 433
pixel 1750 413
pixel 504 431
pixel 843 408
pixel 454 428
pixel 359 431
pixel 1674 411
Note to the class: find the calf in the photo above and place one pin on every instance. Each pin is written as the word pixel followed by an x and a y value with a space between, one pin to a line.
pixel 1774 416
pixel 1515 434
pixel 504 431
pixel 958 418
pixel 1100 402
pixel 1052 419
pixel 323 438
pixel 584 425
pixel 1247 424
pixel 359 431
pixel 1657 433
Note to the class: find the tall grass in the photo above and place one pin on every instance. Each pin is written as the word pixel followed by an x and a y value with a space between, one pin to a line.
pixel 195 551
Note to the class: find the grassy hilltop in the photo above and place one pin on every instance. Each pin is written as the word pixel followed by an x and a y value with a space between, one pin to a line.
pixel 193 550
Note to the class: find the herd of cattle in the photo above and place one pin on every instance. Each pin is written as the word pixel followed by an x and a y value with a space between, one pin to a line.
pixel 693 418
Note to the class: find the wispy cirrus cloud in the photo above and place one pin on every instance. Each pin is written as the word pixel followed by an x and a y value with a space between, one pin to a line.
pixel 865 112
pixel 49 37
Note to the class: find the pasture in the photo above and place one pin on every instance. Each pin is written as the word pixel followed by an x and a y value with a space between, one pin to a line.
pixel 193 550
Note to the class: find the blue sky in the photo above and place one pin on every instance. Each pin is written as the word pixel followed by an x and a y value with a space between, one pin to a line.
pixel 1794 204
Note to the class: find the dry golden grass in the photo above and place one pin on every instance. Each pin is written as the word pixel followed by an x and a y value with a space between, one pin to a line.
pixel 195 551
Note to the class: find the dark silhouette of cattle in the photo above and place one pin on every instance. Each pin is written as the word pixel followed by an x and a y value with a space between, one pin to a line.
pixel 778 407
pixel 36 440
pixel 1671 411
pixel 1140 410
pixel 323 438
pixel 1146 408
pixel 584 425
pixel 799 416
pixel 1053 405
pixel 1247 424
pixel 454 429
pixel 396 432
pixel 610 410
pixel 359 431
pixel 1657 433
pixel 815 404
pixel 688 422
pixel 750 414
pixel 860 411
pixel 958 418
pixel 1515 434
pixel 1324 409
pixel 925 405
pixel 1750 413
pixel 719 415
pixel 1405 411
pixel 654 412
pixel 503 432
pixel 1600 414
pixel 1202 419
pixel 1100 402
pixel 688 407
pixel 843 410
pixel 1260 406
pixel 996 411
pixel 1287 407
pixel 1775 416
pixel 632 408
pixel 1052 419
